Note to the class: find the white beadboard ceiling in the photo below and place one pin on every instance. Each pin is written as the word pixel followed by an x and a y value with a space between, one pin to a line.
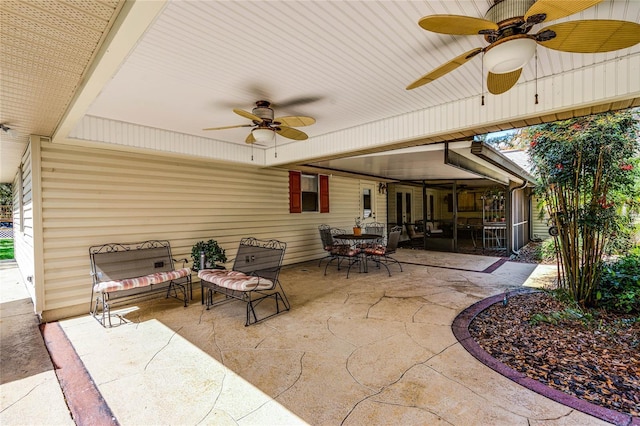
pixel 351 59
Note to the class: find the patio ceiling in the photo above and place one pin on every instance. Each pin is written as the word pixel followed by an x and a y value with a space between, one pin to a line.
pixel 185 65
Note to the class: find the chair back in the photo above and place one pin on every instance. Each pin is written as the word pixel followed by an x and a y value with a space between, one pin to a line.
pixel 325 236
pixel 375 228
pixel 393 240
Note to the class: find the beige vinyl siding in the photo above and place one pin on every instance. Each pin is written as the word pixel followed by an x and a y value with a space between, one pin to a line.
pixel 93 196
pixel 539 226
pixel 23 231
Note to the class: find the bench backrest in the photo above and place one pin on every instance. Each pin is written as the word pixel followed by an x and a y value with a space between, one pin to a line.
pixel 262 257
pixel 116 261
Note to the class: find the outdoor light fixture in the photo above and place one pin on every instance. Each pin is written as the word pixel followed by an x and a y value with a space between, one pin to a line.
pixel 263 135
pixel 8 130
pixel 509 54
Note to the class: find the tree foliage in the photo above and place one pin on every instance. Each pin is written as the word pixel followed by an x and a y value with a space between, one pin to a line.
pixel 588 171
pixel 5 194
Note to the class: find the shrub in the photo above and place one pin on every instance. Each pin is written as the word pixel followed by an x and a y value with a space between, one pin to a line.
pixel 619 289
pixel 547 250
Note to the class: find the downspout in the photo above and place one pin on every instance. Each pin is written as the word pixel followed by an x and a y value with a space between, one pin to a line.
pixel 511 192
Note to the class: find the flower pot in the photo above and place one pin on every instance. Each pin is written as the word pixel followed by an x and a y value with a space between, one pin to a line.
pixel 357 230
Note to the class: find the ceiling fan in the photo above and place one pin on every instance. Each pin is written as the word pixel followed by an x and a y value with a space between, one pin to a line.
pixel 265 125
pixel 506 28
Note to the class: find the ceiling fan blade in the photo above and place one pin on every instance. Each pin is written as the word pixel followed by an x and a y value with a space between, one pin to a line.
pixel 291 133
pixel 247 114
pixel 295 121
pixel 228 127
pixel 500 83
pixel 296 101
pixel 250 139
pixel 592 36
pixel 444 69
pixel 456 24
pixel 556 9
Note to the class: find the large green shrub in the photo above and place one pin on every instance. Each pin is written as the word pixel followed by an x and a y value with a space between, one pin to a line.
pixel 587 171
pixel 619 288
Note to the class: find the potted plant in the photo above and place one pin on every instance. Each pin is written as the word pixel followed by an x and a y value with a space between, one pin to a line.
pixel 212 252
pixel 357 230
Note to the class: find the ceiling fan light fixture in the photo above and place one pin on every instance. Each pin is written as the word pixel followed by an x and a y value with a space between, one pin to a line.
pixel 509 54
pixel 263 135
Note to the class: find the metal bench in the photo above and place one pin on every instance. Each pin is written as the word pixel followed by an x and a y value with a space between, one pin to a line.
pixel 253 280
pixel 126 270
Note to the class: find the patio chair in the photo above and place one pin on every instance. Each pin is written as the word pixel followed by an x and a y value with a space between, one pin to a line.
pixel 374 228
pixel 432 230
pixel 381 254
pixel 348 251
pixel 328 243
pixel 415 238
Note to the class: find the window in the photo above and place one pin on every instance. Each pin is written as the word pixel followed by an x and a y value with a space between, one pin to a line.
pixel 366 202
pixel 308 193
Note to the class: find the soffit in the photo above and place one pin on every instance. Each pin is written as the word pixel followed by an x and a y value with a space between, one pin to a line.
pixel 46 47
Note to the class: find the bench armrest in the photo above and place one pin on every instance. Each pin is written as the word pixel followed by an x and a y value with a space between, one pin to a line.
pixel 184 261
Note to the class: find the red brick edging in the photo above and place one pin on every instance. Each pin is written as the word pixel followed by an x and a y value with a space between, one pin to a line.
pixel 83 398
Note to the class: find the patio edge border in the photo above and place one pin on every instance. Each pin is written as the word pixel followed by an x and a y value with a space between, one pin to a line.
pixel 84 400
pixel 460 328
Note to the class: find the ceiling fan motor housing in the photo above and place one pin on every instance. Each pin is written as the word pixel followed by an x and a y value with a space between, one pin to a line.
pixel 504 10
pixel 263 110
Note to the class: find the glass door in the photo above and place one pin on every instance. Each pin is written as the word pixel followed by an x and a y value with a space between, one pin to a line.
pixel 404 206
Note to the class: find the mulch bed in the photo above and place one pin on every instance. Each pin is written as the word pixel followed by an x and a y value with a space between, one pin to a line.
pixel 598 362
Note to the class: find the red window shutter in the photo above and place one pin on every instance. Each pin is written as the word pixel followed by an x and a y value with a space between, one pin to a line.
pixel 295 192
pixel 324 194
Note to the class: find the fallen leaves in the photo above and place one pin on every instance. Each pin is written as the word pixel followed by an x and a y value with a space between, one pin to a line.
pixel 596 362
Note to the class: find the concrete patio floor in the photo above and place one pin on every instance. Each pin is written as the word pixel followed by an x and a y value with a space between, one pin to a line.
pixel 370 349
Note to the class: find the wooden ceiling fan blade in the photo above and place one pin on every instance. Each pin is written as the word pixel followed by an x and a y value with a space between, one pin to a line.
pixel 500 83
pixel 556 9
pixel 444 69
pixel 247 114
pixel 250 139
pixel 456 24
pixel 228 127
pixel 593 36
pixel 291 133
pixel 295 121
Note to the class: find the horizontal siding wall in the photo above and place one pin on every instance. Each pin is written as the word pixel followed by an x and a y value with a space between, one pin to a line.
pixel 539 226
pixel 94 196
pixel 23 222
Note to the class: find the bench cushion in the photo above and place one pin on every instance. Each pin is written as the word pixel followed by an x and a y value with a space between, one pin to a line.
pixel 234 280
pixel 129 283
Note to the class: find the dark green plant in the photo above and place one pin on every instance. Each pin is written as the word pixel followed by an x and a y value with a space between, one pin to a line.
pixel 587 171
pixel 212 252
pixel 557 316
pixel 546 250
pixel 619 289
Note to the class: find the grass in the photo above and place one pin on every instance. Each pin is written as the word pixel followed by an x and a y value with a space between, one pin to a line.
pixel 6 248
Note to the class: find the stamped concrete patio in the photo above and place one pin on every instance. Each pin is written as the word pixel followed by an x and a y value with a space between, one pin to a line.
pixel 370 349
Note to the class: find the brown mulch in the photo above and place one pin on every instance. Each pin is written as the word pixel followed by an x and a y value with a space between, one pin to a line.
pixel 597 361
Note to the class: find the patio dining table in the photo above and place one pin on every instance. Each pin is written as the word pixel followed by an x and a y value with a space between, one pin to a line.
pixel 357 240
